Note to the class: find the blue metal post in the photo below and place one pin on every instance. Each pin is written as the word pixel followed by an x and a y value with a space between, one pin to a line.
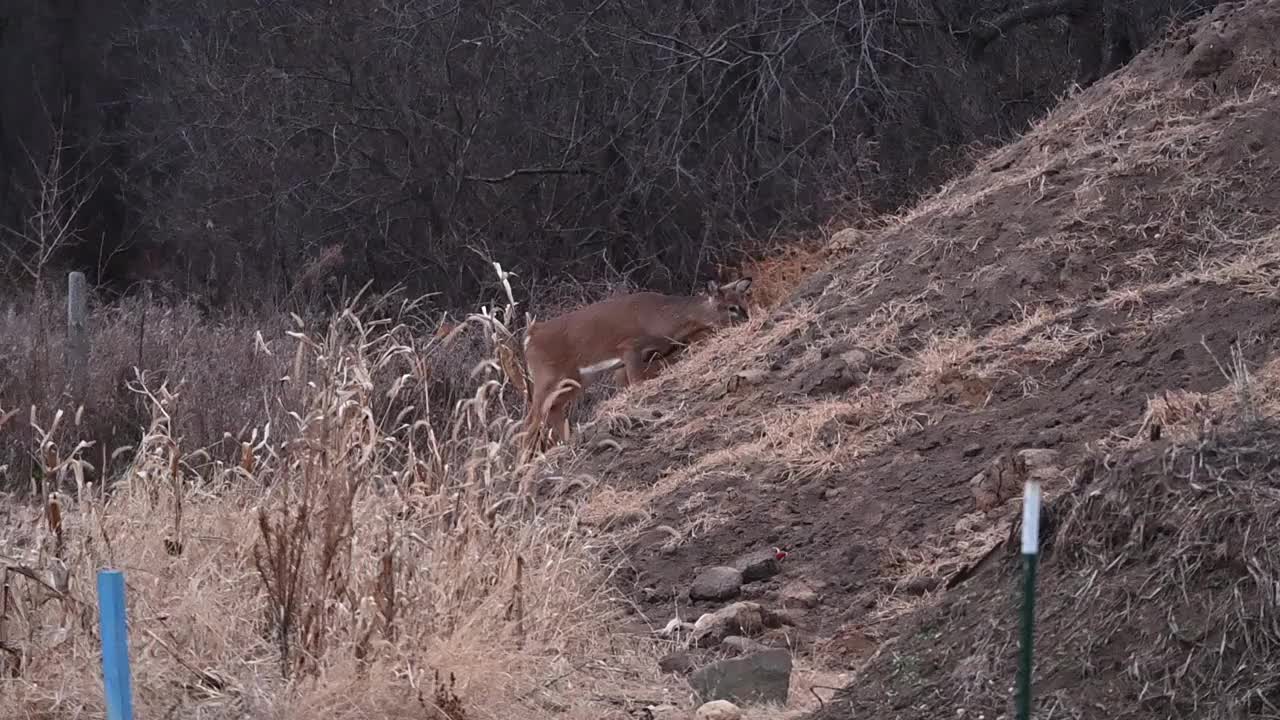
pixel 115 645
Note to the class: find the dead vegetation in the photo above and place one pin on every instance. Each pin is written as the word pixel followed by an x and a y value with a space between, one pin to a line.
pixel 349 558
pixel 1102 289
pixel 1158 585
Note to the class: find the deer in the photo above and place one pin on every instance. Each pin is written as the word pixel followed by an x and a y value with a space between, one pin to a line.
pixel 632 336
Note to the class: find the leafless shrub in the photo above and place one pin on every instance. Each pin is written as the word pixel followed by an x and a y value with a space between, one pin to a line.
pixel 404 139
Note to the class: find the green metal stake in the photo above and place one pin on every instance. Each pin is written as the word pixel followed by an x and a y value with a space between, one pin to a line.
pixel 1030 555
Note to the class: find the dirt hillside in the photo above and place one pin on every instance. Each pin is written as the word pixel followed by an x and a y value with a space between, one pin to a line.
pixel 1079 294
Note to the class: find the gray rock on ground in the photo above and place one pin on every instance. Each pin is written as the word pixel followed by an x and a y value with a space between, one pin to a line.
pixel 738 645
pixel 716 583
pixel 1004 476
pixel 760 565
pixel 743 618
pixel 662 712
pixel 678 662
pixel 763 677
pixel 799 595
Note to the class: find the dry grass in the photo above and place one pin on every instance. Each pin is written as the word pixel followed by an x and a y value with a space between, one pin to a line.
pixel 1084 158
pixel 342 560
pixel 947 369
pixel 812 685
pixel 809 435
pixel 346 557
pixel 361 537
pixel 1199 545
pixel 775 276
pixel 1161 588
pixel 173 343
pixel 1249 397
pixel 225 374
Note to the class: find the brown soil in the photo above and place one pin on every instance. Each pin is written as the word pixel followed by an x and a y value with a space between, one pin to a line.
pixel 1082 286
pixel 1156 593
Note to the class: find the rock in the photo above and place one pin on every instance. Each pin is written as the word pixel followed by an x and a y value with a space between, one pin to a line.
pixel 662 712
pixel 747 377
pixel 922 585
pixel 857 358
pixel 847 239
pixel 738 645
pixel 717 583
pixel 678 662
pixel 763 677
pixel 985 498
pixel 973 450
pixel 783 618
pixel 799 595
pixel 757 566
pixel 713 628
pixel 831 376
pixel 652 594
pixel 675 626
pixel 848 351
pixel 743 618
pixel 1210 56
pixel 794 639
pixel 719 710
pixel 1005 475
pixel 1002 480
pixel 1042 463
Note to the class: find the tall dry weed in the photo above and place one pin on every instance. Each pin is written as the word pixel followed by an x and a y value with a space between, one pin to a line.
pixel 349 557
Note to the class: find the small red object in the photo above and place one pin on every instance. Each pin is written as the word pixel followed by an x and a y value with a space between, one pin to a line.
pixel 780 553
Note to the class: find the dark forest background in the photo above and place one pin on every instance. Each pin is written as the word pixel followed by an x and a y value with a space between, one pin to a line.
pixel 259 152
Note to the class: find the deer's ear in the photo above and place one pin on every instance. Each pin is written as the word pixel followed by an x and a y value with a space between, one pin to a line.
pixel 742 285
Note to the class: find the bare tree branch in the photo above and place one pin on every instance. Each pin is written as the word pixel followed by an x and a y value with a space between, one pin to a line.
pixel 987 31
pixel 520 172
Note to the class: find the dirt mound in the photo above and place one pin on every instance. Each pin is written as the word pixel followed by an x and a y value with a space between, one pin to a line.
pixel 1157 600
pixel 1073 293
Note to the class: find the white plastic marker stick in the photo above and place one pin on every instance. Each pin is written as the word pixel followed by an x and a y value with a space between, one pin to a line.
pixel 1031 518
pixel 1030 555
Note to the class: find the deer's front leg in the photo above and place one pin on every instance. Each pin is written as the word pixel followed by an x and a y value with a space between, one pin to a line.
pixel 643 359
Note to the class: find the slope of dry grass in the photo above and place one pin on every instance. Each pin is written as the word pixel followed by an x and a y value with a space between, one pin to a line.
pixel 1081 287
pixel 1158 582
